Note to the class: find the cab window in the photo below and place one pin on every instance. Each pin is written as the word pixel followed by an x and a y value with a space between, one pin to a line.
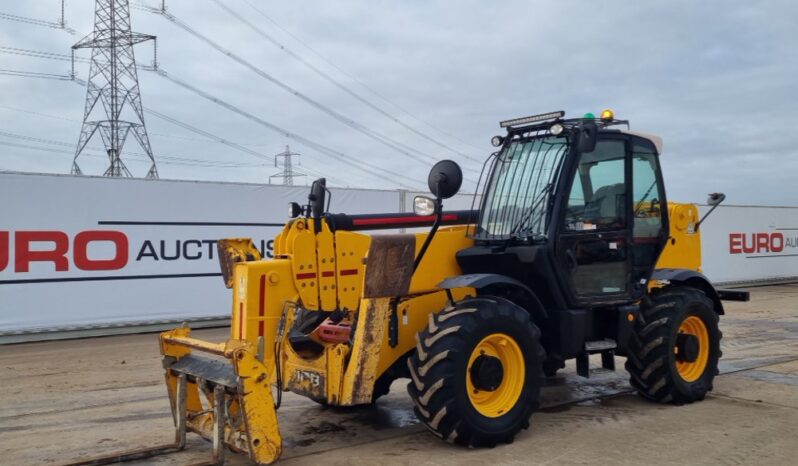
pixel 597 200
pixel 647 205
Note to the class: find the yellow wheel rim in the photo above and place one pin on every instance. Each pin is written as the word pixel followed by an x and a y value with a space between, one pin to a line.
pixel 501 400
pixel 692 371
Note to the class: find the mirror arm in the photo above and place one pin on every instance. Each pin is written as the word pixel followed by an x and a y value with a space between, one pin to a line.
pixel 435 225
pixel 329 200
pixel 698 225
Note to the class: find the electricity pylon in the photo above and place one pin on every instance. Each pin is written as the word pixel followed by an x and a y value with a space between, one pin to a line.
pixel 288 172
pixel 113 82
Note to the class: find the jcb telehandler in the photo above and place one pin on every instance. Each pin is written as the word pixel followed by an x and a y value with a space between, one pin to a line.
pixel 574 250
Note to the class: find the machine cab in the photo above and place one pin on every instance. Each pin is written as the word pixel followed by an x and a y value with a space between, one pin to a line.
pixel 586 192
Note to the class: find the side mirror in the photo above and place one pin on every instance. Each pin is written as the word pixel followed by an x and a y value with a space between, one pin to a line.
pixel 316 197
pixel 586 137
pixel 445 179
pixel 423 205
pixel 715 199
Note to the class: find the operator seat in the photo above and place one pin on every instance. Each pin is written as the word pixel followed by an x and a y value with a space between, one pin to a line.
pixel 607 206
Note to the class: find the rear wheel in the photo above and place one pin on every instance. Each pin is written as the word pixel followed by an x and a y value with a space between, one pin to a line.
pixel 477 372
pixel 676 347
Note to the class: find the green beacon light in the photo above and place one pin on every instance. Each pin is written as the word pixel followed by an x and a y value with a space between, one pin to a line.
pixel 589 116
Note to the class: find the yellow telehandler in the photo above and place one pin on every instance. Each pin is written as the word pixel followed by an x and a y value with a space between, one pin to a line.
pixel 574 250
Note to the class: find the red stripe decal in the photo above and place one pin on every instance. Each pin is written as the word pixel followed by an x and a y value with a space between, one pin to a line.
pixel 348 272
pixel 240 321
pixel 328 273
pixel 400 220
pixel 262 303
pixel 304 276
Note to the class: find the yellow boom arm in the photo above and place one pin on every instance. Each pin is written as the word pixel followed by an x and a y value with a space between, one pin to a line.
pixel 369 279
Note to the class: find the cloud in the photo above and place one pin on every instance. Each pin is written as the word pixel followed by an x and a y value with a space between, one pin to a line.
pixel 716 82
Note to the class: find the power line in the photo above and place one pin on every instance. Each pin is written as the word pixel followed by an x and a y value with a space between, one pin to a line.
pixel 91 154
pixel 40 54
pixel 174 160
pixel 338 84
pixel 207 137
pixel 139 154
pixel 39 114
pixel 349 160
pixel 382 139
pixel 34 139
pixel 375 170
pixel 62 57
pixel 43 149
pixel 396 145
pixel 358 81
pixel 206 134
pixel 34 74
pixel 47 56
pixel 346 159
pixel 37 22
pixel 213 137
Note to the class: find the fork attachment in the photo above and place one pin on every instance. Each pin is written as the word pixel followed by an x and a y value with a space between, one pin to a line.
pixel 228 394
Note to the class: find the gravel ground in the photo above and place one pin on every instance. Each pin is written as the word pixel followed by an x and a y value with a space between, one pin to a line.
pixel 67 399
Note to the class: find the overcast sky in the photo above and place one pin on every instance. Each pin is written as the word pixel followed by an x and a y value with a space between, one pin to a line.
pixel 717 80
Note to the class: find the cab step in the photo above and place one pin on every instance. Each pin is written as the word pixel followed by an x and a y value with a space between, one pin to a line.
pixel 605 347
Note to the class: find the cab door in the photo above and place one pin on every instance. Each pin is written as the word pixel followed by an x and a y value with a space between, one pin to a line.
pixel 594 240
pixel 650 228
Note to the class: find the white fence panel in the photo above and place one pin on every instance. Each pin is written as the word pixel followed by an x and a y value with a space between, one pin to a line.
pixel 83 251
pixel 89 250
pixel 750 244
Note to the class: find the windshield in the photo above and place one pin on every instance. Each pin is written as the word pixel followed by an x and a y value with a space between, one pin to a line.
pixel 521 182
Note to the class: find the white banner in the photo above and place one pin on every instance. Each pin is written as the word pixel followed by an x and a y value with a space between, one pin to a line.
pixel 88 250
pixel 747 244
pixel 81 251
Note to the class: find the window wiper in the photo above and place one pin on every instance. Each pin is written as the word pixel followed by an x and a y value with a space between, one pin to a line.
pixel 643 199
pixel 536 203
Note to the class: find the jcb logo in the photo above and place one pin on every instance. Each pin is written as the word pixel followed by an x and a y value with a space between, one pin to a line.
pixel 310 377
pixel 54 247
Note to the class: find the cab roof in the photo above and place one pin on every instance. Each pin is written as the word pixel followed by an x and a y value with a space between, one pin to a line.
pixel 547 121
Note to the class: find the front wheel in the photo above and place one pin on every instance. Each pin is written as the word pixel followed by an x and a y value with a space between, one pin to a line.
pixel 676 347
pixel 477 371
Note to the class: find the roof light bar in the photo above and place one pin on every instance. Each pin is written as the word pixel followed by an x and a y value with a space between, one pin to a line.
pixel 532 119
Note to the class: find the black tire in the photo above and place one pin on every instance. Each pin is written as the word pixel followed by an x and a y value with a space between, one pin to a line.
pixel 382 387
pixel 383 384
pixel 552 365
pixel 651 361
pixel 439 371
